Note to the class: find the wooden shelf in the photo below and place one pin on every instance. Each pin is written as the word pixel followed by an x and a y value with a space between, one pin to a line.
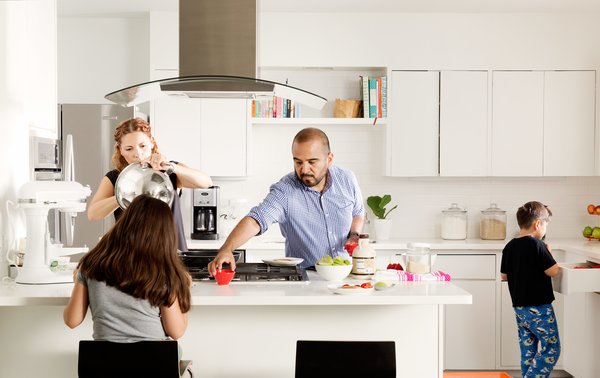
pixel 319 121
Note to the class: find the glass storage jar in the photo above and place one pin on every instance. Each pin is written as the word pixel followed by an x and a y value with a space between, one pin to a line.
pixel 493 223
pixel 454 223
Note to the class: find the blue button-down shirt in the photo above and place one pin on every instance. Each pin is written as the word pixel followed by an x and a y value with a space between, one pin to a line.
pixel 313 223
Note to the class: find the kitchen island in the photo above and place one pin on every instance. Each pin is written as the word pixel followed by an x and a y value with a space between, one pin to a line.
pixel 244 329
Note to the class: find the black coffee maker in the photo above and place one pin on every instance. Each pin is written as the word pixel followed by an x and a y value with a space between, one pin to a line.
pixel 204 214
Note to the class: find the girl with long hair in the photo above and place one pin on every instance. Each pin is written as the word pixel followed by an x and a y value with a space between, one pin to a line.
pixel 133 280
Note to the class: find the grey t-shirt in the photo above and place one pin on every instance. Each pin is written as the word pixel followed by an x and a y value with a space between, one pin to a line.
pixel 120 317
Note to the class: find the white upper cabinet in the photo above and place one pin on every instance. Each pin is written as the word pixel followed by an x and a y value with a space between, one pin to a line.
pixel 176 128
pixel 463 123
pixel 223 137
pixel 413 132
pixel 206 134
pixel 569 106
pixel 543 123
pixel 517 123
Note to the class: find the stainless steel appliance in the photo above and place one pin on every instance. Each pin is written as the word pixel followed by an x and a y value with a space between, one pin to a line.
pixel 257 272
pixel 204 214
pixel 46 165
pixel 44 158
pixel 92 129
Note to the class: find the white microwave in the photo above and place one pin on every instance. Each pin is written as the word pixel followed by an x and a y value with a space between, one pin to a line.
pixel 44 157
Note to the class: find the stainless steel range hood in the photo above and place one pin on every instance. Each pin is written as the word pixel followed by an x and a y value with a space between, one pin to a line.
pixel 217 58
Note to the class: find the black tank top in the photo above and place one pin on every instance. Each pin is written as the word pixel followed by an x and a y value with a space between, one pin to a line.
pixel 175 207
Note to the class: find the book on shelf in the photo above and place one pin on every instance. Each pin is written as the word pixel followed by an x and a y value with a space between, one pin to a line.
pixel 379 97
pixel 384 96
pixel 364 81
pixel 373 100
pixel 275 107
pixel 374 96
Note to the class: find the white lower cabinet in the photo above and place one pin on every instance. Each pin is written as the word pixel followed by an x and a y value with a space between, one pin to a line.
pixel 510 355
pixel 470 330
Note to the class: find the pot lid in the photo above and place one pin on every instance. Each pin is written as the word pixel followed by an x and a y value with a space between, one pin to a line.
pixel 493 209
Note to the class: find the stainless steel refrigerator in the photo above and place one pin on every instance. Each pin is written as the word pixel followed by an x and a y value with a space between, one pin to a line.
pixel 92 127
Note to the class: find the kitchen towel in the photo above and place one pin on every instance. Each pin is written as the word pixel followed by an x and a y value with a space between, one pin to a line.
pixel 433 276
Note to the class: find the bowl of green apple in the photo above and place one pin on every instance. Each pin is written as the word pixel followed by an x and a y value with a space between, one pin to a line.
pixel 333 268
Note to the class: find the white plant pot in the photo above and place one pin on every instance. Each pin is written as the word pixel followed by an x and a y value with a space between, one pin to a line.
pixel 382 228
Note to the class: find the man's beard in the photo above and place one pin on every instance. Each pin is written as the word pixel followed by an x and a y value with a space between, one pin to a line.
pixel 311 180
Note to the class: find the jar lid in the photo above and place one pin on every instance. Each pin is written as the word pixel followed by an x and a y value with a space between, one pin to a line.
pixel 454 209
pixel 493 209
pixel 418 246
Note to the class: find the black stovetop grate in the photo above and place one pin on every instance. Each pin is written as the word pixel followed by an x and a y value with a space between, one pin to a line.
pixel 256 272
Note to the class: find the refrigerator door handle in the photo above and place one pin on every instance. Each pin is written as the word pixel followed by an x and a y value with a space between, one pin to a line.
pixel 69 175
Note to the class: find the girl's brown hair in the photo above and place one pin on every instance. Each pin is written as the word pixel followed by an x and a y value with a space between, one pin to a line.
pixel 138 256
pixel 129 126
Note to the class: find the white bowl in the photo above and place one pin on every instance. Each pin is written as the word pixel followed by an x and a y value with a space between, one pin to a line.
pixel 333 272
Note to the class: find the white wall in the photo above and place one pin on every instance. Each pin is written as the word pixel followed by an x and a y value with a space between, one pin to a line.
pixel 27 95
pixel 99 55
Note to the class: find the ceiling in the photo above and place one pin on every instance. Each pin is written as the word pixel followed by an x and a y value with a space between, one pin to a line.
pixel 132 7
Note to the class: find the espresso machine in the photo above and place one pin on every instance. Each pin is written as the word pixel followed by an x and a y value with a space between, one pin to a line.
pixel 204 214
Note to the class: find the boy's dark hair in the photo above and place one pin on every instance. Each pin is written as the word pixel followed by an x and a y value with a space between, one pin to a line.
pixel 530 212
pixel 138 256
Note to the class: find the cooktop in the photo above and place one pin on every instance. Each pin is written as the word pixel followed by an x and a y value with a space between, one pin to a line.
pixel 255 272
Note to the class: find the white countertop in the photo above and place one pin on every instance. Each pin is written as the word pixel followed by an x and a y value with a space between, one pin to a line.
pixel 314 292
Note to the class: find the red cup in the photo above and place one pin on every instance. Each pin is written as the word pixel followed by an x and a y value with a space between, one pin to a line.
pixel 224 276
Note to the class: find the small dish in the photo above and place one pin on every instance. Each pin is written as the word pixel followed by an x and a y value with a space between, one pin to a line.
pixel 354 290
pixel 284 261
pixel 388 286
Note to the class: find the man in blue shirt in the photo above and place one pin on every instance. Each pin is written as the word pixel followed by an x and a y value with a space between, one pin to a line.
pixel 319 206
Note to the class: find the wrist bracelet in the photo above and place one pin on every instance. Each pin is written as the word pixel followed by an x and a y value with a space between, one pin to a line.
pixel 171 169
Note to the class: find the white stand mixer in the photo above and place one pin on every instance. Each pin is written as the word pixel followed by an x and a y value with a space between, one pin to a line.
pixel 36 198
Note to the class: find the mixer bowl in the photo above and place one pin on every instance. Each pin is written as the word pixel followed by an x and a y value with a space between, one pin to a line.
pixel 140 178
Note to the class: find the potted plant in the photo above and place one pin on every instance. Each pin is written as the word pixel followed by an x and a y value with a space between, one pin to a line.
pixel 382 225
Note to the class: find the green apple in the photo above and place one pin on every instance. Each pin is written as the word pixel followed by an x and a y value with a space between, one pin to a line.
pixel 596 233
pixel 587 232
pixel 327 260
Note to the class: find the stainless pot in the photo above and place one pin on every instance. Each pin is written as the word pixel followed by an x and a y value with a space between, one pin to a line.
pixel 140 178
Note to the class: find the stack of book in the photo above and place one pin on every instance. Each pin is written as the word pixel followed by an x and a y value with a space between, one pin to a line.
pixel 374 96
pixel 275 107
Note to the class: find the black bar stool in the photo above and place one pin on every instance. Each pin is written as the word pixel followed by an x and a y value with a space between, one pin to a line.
pixel 146 359
pixel 345 359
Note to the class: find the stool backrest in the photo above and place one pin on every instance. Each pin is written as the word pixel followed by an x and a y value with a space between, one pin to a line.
pixel 140 359
pixel 345 359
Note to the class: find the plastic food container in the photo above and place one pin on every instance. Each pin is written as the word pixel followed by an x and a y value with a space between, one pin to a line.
pixel 454 223
pixel 493 223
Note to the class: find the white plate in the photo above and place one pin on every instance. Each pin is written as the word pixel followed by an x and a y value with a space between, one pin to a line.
pixel 337 289
pixel 284 261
